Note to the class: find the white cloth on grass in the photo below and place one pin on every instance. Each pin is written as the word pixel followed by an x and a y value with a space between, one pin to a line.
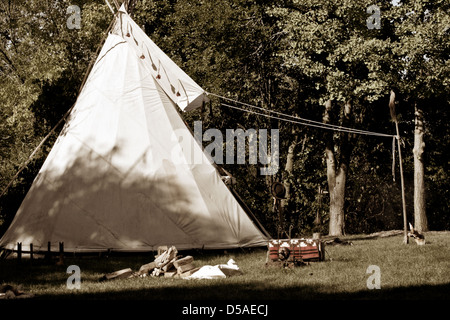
pixel 219 271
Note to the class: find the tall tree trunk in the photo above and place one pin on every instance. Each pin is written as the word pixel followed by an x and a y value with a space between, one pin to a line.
pixel 420 217
pixel 336 186
pixel 289 167
pixel 337 173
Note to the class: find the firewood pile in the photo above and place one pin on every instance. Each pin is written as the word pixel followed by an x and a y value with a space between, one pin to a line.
pixel 167 264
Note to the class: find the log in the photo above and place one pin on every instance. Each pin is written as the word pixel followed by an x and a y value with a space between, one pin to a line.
pixel 183 261
pixel 185 267
pixel 120 274
pixel 188 273
pixel 166 257
pixel 162 249
pixel 168 265
pixel 156 272
pixel 170 274
pixel 146 268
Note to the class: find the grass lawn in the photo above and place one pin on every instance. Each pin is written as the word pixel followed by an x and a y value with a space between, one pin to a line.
pixel 406 272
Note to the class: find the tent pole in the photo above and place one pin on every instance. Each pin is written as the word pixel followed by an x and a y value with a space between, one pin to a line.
pixel 109 5
pixel 394 118
pixel 117 5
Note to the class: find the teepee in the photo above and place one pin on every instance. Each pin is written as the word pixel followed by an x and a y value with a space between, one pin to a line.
pixel 121 174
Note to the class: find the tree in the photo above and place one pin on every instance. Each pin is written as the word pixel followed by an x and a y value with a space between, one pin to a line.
pixel 330 45
pixel 42 63
pixel 314 59
pixel 422 73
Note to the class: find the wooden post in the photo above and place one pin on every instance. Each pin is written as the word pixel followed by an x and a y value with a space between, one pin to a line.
pixel 61 254
pixel 405 220
pixel 394 118
pixel 61 250
pixel 49 251
pixel 31 251
pixel 19 251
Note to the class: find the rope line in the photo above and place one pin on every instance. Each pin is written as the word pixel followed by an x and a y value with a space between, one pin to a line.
pixel 321 124
pixel 299 120
pixel 311 123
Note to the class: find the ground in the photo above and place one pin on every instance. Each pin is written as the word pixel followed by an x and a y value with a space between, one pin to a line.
pixel 405 272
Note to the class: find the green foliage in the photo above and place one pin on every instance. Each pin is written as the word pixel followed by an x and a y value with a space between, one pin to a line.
pixel 42 64
pixel 422 46
pixel 329 45
pixel 287 56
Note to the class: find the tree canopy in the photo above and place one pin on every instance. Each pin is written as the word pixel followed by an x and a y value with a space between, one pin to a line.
pixel 313 59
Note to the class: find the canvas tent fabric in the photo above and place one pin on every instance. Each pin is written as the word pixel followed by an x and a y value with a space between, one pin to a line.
pixel 122 174
pixel 184 91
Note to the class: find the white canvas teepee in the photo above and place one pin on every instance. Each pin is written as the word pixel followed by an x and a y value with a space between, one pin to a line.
pixel 119 177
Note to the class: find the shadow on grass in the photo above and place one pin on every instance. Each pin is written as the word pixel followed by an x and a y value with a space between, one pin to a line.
pixel 242 292
pixel 152 289
pixel 173 302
